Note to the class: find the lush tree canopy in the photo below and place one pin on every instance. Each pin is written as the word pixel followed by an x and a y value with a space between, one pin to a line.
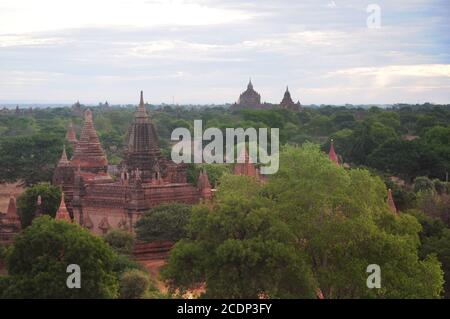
pixel 38 260
pixel 27 202
pixel 120 240
pixel 166 222
pixel 314 219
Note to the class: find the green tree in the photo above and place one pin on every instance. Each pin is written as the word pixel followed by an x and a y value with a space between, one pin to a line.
pixel 166 222
pixel 238 248
pixel 133 284
pixel 30 159
pixel 38 259
pixel 440 245
pixel 120 240
pixel 423 184
pixel 342 221
pixel 27 202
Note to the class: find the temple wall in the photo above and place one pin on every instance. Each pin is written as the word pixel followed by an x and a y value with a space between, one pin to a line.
pixel 96 214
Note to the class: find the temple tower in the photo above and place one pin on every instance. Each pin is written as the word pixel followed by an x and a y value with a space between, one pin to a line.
pixel 332 154
pixel 88 153
pixel 287 102
pixel 204 186
pixel 62 213
pixel 249 98
pixel 143 151
pixel 63 176
pixel 244 166
pixel 10 222
pixel 390 201
pixel 71 135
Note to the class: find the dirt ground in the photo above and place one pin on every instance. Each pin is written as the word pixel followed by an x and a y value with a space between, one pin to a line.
pixel 5 191
pixel 153 267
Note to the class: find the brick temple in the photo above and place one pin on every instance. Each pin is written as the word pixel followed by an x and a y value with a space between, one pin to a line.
pixel 287 103
pixel 98 202
pixel 249 98
pixel 252 100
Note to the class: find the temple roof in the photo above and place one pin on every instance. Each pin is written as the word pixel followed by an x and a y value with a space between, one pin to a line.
pixel 63 213
pixel 332 154
pixel 88 151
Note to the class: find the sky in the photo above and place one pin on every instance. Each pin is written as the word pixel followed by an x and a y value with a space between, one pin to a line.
pixel 205 51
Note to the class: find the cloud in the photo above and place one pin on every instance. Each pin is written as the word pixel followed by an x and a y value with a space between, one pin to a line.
pixel 24 16
pixel 203 51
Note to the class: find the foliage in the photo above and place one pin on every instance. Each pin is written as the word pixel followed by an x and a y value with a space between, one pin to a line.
pixel 423 184
pixel 327 224
pixel 30 159
pixel 121 241
pixel 123 263
pixel 440 245
pixel 165 222
pixel 233 246
pixel 38 259
pixel 214 171
pixel 133 284
pixel 344 219
pixel 27 202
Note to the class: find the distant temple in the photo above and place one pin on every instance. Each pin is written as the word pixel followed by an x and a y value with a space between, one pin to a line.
pixel 252 100
pixel 147 179
pixel 249 98
pixel 287 102
pixel 77 108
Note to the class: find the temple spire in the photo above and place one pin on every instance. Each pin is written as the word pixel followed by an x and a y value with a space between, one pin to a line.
pixel 250 84
pixel 64 161
pixel 141 102
pixel 203 184
pixel 63 213
pixel 390 201
pixel 88 151
pixel 332 154
pixel 141 111
pixel 12 210
pixel 71 135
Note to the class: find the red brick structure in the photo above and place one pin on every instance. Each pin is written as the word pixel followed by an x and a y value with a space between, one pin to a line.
pixel 390 201
pixel 249 98
pixel 147 179
pixel 9 222
pixel 152 251
pixel 62 213
pixel 332 154
pixel 287 102
pixel 71 135
pixel 245 167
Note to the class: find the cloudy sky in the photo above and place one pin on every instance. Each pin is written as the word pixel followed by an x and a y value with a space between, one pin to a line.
pixel 204 51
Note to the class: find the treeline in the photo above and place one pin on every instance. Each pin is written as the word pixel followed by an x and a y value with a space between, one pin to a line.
pixel 404 141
